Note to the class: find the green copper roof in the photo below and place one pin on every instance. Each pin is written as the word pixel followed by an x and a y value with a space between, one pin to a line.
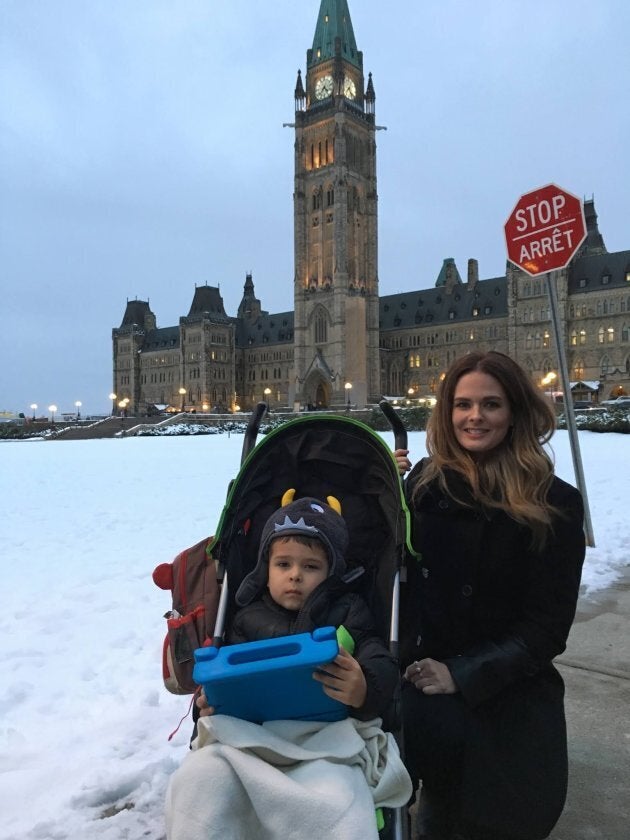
pixel 448 264
pixel 334 20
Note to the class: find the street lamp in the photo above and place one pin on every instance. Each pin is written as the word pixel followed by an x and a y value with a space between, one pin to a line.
pixel 113 398
pixel 33 409
pixel 267 393
pixel 52 409
pixel 348 387
pixel 549 379
pixel 78 405
pixel 182 394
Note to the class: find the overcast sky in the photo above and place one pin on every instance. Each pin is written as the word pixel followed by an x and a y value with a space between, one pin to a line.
pixel 142 152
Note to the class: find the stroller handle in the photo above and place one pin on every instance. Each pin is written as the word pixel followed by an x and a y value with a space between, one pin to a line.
pixel 398 427
pixel 251 433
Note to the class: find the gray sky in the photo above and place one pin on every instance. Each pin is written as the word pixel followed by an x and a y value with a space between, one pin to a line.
pixel 142 151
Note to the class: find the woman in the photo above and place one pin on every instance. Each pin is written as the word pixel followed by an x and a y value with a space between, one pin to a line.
pixel 488 606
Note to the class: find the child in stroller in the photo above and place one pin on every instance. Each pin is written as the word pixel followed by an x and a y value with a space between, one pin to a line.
pixel 299 778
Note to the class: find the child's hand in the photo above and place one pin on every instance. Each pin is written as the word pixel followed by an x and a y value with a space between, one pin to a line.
pixel 202 704
pixel 343 680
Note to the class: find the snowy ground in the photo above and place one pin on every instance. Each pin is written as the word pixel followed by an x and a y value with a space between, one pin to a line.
pixel 84 719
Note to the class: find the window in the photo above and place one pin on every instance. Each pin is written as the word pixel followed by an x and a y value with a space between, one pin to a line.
pixel 610 334
pixel 582 336
pixel 605 279
pixel 582 282
pixel 546 339
pixel 321 328
pixel 600 335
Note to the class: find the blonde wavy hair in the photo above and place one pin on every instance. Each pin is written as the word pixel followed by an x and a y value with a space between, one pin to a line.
pixel 516 475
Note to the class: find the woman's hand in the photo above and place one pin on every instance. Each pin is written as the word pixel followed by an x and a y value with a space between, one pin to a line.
pixel 343 680
pixel 431 677
pixel 202 704
pixel 402 460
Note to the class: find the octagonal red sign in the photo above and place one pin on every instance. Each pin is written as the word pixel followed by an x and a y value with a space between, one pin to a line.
pixel 545 229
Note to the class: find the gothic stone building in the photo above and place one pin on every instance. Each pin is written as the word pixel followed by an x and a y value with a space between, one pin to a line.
pixel 343 342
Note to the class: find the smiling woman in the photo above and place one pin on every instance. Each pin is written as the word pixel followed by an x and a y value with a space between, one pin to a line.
pixel 488 608
pixel 481 412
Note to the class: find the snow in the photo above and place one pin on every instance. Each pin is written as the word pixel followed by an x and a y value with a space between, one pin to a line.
pixel 84 718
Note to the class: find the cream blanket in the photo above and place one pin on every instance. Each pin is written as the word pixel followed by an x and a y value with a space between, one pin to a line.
pixel 285 780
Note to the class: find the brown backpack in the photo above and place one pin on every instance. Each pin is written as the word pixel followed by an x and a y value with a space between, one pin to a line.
pixel 191 577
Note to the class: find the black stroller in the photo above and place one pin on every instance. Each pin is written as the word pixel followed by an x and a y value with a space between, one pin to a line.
pixel 322 455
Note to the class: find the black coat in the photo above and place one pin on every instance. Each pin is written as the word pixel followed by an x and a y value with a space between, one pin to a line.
pixel 327 607
pixel 482 600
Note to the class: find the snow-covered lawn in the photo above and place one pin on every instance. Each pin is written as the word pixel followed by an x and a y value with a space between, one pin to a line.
pixel 84 718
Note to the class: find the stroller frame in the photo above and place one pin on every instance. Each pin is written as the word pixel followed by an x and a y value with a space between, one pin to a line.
pixel 320 455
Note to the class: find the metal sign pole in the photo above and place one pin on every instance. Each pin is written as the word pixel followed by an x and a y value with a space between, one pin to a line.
pixel 569 413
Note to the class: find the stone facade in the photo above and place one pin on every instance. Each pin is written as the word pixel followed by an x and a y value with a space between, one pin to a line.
pixel 343 343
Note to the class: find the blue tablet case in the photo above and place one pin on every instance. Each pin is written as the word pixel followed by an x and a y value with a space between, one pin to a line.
pixel 270 679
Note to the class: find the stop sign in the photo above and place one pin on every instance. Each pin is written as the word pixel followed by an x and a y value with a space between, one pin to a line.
pixel 545 229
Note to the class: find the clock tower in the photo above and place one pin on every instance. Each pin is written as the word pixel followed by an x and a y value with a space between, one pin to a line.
pixel 336 329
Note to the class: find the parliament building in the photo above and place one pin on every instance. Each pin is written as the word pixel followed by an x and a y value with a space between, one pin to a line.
pixel 343 343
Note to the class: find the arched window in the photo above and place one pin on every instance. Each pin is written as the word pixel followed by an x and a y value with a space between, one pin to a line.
pixel 321 327
pixel 578 369
pixel 582 336
pixel 600 335
pixel 528 341
pixel 604 365
pixel 573 339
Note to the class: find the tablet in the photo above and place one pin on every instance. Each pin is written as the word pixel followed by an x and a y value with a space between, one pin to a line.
pixel 271 679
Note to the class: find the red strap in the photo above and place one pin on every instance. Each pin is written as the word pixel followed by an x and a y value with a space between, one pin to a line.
pixel 190 705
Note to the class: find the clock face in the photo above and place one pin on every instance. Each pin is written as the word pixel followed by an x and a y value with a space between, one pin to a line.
pixel 324 87
pixel 349 88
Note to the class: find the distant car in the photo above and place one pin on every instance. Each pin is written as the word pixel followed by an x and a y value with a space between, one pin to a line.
pixel 582 404
pixel 619 402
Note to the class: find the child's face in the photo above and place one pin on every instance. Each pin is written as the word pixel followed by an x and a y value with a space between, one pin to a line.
pixel 295 570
